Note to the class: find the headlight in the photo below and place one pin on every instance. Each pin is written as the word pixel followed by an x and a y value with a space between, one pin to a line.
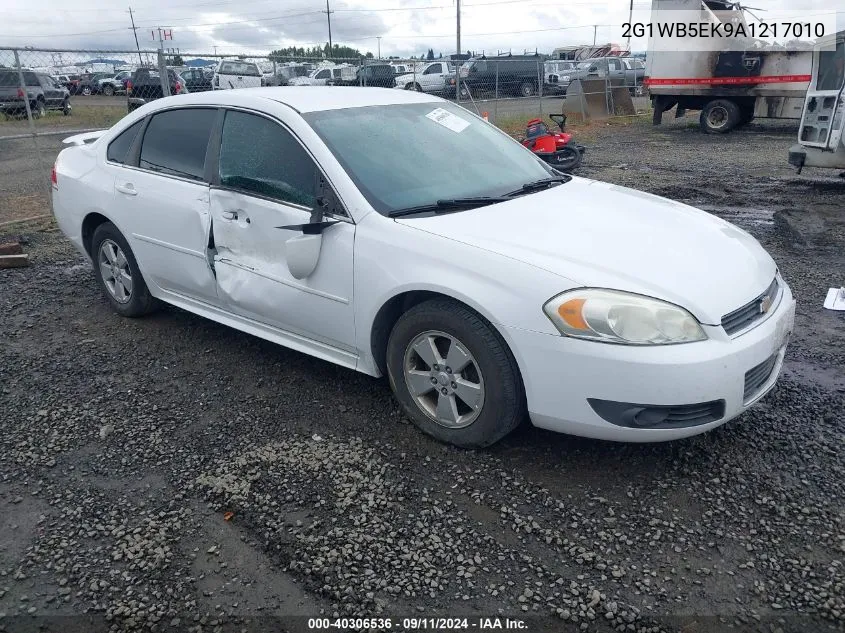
pixel 565 78
pixel 612 316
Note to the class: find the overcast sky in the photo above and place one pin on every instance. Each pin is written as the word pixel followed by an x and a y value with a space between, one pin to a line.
pixel 406 27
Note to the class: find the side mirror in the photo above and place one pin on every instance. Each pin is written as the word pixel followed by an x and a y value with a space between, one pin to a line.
pixel 303 253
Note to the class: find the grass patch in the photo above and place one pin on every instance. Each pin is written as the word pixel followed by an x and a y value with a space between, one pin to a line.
pixel 83 116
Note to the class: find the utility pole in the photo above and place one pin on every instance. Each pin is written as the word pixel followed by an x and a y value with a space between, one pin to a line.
pixel 135 32
pixel 328 13
pixel 595 32
pixel 379 46
pixel 458 59
pixel 630 19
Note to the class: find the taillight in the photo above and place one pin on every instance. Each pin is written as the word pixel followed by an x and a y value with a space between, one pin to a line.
pixel 20 93
pixel 54 178
pixel 178 88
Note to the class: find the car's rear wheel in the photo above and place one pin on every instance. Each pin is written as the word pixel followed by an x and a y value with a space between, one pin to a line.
pixel 108 90
pixel 526 89
pixel 454 375
pixel 118 274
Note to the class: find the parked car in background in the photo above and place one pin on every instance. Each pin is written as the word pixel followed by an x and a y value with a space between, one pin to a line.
pixel 491 291
pixel 71 83
pixel 431 77
pixel 373 75
pixel 145 86
pixel 513 74
pixel 322 75
pixel 114 85
pixel 42 91
pixel 90 84
pixel 196 79
pixel 405 68
pixel 231 74
pixel 288 72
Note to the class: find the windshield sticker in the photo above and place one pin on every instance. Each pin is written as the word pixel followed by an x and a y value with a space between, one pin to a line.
pixel 448 120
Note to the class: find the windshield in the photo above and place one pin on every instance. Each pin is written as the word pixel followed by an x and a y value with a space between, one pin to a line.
pixel 831 73
pixel 409 155
pixel 586 65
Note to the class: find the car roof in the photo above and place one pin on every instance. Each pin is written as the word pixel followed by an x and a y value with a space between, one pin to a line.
pixel 309 98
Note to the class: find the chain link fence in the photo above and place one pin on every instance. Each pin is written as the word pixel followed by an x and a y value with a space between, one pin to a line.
pixel 47 95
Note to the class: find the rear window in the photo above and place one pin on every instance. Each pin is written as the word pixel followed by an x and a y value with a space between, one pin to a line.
pixel 239 68
pixel 8 78
pixel 176 141
pixel 119 147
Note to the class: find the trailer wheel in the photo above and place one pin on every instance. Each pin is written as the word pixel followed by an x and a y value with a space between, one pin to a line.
pixel 720 116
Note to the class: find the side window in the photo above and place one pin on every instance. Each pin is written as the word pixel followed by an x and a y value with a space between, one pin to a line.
pixel 119 147
pixel 614 64
pixel 323 74
pixel 433 69
pixel 260 156
pixel 176 141
pixel 30 79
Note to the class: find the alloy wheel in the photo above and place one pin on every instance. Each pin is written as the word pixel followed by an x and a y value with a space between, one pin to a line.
pixel 114 268
pixel 444 379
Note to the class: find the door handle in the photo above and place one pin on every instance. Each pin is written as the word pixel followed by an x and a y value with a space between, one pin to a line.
pixel 128 189
pixel 229 215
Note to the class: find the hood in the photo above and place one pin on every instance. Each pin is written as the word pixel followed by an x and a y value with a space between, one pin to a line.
pixel 600 235
pixel 301 81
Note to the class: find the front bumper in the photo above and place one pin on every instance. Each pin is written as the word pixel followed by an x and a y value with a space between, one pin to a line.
pixel 562 375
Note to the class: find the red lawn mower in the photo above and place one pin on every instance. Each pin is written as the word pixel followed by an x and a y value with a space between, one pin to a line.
pixel 556 148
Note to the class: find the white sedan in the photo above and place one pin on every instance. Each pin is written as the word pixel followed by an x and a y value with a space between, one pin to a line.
pixel 491 290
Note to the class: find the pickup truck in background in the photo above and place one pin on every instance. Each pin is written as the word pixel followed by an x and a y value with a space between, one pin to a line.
pixel 145 86
pixel 630 69
pixel 432 78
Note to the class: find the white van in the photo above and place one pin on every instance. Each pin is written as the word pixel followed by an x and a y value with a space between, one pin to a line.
pixel 231 74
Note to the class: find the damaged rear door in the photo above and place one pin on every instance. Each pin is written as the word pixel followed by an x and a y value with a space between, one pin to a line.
pixel 267 180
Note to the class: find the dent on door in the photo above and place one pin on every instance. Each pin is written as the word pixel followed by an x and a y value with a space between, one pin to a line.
pixel 256 259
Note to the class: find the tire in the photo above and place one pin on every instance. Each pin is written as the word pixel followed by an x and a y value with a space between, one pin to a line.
pixel 108 90
pixel 466 93
pixel 492 375
pixel 746 116
pixel 87 91
pixel 417 87
pixel 38 110
pixel 720 116
pixel 67 109
pixel 526 89
pixel 138 301
pixel 566 159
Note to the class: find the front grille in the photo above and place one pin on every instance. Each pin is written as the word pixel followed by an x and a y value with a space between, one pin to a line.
pixel 748 314
pixel 643 416
pixel 759 376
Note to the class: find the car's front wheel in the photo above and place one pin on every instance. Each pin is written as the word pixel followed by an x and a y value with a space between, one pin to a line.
pixel 118 274
pixel 108 90
pixel 454 375
pixel 86 91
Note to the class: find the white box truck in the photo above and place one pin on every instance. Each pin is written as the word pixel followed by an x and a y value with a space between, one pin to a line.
pixel 821 137
pixel 730 87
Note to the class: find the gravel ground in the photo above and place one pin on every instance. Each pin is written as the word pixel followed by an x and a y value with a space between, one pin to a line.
pixel 170 474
